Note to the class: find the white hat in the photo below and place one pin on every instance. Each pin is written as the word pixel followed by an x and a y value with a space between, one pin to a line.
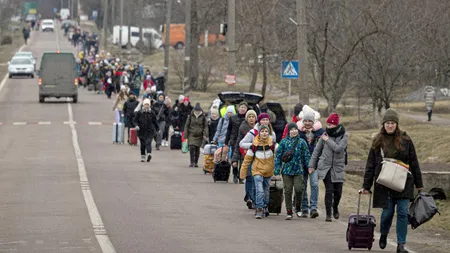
pixel 153 89
pixel 181 98
pixel 146 101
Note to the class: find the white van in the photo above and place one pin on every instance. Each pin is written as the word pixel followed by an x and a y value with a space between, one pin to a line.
pixel 64 13
pixel 151 36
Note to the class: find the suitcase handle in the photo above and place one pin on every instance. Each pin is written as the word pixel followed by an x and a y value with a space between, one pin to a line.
pixel 359 205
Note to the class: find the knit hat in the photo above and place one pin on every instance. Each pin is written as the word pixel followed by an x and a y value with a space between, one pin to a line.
pixel 250 112
pixel 292 125
pixel 197 107
pixel 261 127
pixel 146 101
pixel 308 115
pixel 230 108
pixel 186 99
pixel 263 116
pixel 131 93
pixel 391 115
pixel 180 98
pixel 243 103
pixel 333 119
pixel 298 108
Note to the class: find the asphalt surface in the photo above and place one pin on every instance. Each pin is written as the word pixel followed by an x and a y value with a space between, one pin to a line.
pixel 161 206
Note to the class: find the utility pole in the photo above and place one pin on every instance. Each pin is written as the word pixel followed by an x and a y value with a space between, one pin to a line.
pixel 121 27
pixel 105 19
pixel 302 48
pixel 113 13
pixel 71 9
pixel 187 49
pixel 167 38
pixel 231 36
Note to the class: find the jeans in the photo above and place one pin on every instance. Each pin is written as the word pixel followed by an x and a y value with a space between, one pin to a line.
pixel 290 182
pixel 333 193
pixel 314 184
pixel 122 117
pixel 162 127
pixel 146 145
pixel 262 193
pixel 402 218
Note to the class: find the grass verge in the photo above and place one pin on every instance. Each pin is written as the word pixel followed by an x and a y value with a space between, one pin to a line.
pixel 7 51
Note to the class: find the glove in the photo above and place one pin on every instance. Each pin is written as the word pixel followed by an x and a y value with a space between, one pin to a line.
pixel 137 128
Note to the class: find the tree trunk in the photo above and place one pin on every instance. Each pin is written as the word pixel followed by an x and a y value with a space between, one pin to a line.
pixel 264 87
pixel 374 112
pixel 254 68
pixel 195 35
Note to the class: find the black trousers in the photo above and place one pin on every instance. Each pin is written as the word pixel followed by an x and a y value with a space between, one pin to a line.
pixel 146 145
pixel 194 152
pixel 333 193
pixel 430 113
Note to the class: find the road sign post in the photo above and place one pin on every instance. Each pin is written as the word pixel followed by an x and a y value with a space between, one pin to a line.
pixel 289 70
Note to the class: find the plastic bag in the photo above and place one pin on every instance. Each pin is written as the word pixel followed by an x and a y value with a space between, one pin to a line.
pixel 422 210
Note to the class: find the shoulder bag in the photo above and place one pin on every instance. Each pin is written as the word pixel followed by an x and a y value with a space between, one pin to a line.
pixel 392 175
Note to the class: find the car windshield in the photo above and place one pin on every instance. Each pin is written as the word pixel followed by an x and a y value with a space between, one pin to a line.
pixel 48 23
pixel 24 54
pixel 20 61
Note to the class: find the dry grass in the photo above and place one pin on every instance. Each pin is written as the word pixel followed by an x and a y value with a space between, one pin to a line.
pixel 7 51
pixel 442 106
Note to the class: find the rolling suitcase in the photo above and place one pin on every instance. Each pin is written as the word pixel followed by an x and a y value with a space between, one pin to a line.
pixel 361 227
pixel 221 171
pixel 208 161
pixel 175 140
pixel 276 198
pixel 133 136
pixel 90 87
pixel 118 133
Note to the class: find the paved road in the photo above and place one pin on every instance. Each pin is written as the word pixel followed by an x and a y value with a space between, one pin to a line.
pixel 435 120
pixel 163 206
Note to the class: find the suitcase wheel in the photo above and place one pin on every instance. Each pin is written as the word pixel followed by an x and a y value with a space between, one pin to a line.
pixel 349 248
pixel 369 248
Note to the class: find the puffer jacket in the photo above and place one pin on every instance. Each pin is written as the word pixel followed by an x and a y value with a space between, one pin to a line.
pixel 146 121
pixel 196 129
pixel 128 110
pixel 233 129
pixel 243 130
pixel 330 155
pixel 247 141
pixel 262 160
pixel 161 110
pixel 430 97
pixel 300 156
pixel 222 128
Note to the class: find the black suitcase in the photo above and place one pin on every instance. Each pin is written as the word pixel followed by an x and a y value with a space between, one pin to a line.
pixel 361 228
pixel 221 171
pixel 276 199
pixel 175 141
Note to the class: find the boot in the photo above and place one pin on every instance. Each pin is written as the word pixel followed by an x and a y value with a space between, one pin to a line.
pixel 383 241
pixel 401 248
pixel 336 212
pixel 142 158
pixel 149 157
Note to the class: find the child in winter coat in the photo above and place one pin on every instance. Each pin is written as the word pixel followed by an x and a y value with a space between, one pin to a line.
pixel 222 128
pixel 261 159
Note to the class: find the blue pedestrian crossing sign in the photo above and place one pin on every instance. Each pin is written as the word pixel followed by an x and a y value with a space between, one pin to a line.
pixel 289 69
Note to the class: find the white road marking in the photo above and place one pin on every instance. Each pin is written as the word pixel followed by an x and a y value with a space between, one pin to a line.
pixel 19 123
pixel 70 122
pixel 95 123
pixel 44 123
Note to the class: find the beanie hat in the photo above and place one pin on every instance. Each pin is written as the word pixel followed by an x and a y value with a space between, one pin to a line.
pixel 243 103
pixel 298 108
pixel 250 112
pixel 180 98
pixel 146 101
pixel 391 115
pixel 263 116
pixel 197 107
pixel 292 125
pixel 131 93
pixel 308 115
pixel 261 127
pixel 186 99
pixel 230 108
pixel 333 119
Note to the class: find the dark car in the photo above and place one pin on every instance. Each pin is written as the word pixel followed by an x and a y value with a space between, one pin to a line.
pixel 280 122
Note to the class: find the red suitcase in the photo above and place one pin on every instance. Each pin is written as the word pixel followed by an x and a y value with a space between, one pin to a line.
pixel 133 136
pixel 361 228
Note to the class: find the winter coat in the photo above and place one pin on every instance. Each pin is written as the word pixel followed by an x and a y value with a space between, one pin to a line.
pixel 161 110
pixel 243 130
pixel 247 141
pixel 330 156
pixel 212 124
pixel 195 129
pixel 311 146
pixel 185 111
pixel 175 119
pixel 381 194
pixel 146 121
pixel 285 131
pixel 222 128
pixel 160 83
pixel 120 102
pixel 233 129
pixel 430 98
pixel 300 159
pixel 262 161
pixel 128 110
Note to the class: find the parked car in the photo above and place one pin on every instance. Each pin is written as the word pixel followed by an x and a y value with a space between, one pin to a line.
pixel 48 25
pixel 28 55
pixel 20 66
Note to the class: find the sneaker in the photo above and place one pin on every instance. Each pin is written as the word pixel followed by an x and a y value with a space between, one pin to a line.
pixel 259 214
pixel 401 248
pixel 288 217
pixel 157 147
pixel 314 214
pixel 142 158
pixel 305 214
pixel 328 218
pixel 241 181
pixel 167 143
pixel 249 204
pixel 191 165
pixel 196 165
pixel 299 214
pixel 383 241
pixel 235 179
pixel 336 213
pixel 149 157
pixel 266 212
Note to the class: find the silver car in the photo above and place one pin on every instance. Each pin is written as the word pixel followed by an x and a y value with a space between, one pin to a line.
pixel 21 66
pixel 28 55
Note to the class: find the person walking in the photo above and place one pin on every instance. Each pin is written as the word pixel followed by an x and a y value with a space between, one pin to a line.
pixel 292 158
pixel 128 110
pixel 430 99
pixel 147 126
pixel 195 131
pixel 392 142
pixel 162 114
pixel 329 160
